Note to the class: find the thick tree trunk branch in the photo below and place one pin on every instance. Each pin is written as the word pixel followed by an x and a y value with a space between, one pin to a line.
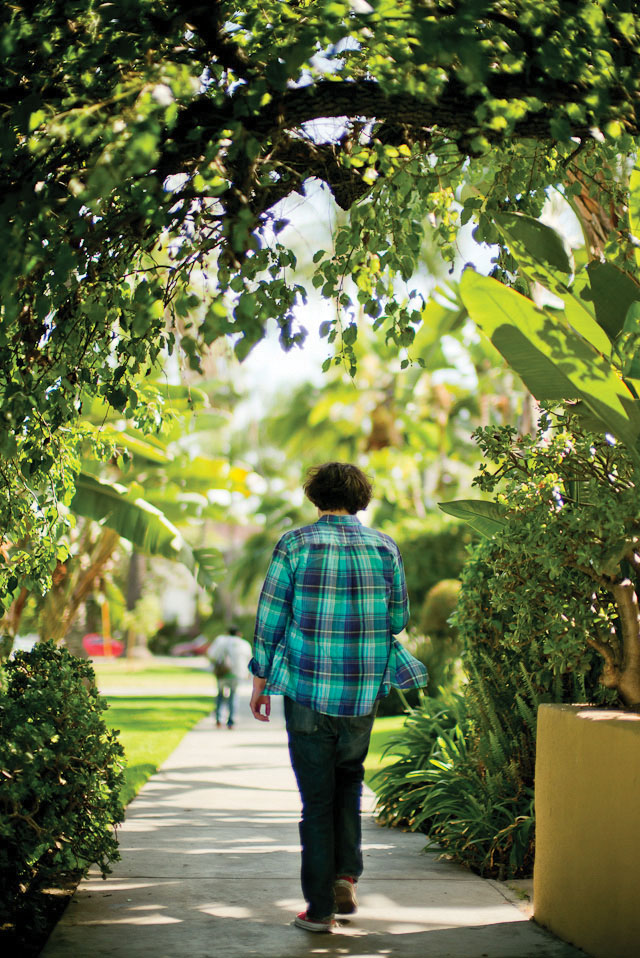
pixel 207 21
pixel 454 113
pixel 280 123
pixel 629 673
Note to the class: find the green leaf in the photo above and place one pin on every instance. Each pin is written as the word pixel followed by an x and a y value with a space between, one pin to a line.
pixel 487 518
pixel 541 255
pixel 146 447
pixel 611 290
pixel 552 360
pixel 137 520
pixel 533 243
pixel 438 320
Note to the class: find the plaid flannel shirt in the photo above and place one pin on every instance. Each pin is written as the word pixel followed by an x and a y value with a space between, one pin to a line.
pixel 333 599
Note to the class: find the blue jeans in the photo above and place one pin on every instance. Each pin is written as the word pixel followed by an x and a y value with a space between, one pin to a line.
pixel 327 755
pixel 226 692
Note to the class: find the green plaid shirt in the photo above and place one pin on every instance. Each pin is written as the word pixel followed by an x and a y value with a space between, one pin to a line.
pixel 333 600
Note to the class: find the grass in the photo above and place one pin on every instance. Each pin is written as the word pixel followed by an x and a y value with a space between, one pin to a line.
pixel 150 728
pixel 383 729
pixel 149 675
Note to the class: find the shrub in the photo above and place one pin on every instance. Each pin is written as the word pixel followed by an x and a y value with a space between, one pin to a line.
pixel 440 646
pixel 463 786
pixel 435 555
pixel 399 789
pixel 61 773
pixel 536 627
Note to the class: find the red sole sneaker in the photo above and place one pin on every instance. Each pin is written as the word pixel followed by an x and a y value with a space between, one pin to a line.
pixel 345 892
pixel 313 924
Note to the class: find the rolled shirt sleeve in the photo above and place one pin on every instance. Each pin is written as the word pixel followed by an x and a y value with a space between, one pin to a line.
pixel 398 600
pixel 273 613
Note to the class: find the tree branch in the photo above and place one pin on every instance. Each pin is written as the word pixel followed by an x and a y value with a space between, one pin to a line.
pixel 627 601
pixel 207 19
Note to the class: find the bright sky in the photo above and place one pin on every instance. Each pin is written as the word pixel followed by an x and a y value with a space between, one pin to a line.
pixel 312 220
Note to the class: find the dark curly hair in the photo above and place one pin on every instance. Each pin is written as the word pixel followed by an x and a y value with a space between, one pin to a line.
pixel 338 485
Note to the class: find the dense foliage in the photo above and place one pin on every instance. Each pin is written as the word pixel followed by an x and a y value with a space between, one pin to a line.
pixel 547 613
pixel 460 783
pixel 61 775
pixel 145 147
pixel 566 560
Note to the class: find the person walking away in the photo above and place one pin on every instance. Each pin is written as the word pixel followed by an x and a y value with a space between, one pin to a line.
pixel 333 600
pixel 229 655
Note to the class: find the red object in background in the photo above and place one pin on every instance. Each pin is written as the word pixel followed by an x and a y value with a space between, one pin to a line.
pixel 197 646
pixel 95 645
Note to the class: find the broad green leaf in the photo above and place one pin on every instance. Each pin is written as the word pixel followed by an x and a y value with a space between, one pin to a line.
pixel 552 360
pixel 540 253
pixel 137 520
pixel 634 208
pixel 611 291
pixel 209 566
pixel 487 518
pixel 143 447
pixel 210 473
pixel 438 320
pixel 534 244
pixel 175 395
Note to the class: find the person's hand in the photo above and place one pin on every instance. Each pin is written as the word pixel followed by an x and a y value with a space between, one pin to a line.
pixel 259 701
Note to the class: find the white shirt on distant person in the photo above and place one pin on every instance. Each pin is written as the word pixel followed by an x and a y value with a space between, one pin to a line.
pixel 236 648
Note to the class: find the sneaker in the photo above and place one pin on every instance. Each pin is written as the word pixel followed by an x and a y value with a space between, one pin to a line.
pixel 345 892
pixel 313 924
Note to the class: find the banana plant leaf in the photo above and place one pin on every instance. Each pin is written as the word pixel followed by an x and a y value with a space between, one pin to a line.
pixel 487 518
pixel 145 526
pixel 634 208
pixel 612 292
pixel 541 256
pixel 552 360
pixel 139 445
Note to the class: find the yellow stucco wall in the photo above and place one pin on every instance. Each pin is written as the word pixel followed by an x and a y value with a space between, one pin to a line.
pixel 586 882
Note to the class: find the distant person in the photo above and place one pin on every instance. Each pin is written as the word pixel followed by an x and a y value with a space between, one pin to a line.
pixel 229 655
pixel 333 599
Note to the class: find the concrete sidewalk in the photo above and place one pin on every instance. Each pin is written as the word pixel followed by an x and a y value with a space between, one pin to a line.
pixel 210 867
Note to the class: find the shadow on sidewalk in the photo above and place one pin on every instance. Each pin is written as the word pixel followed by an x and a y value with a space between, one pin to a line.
pixel 210 868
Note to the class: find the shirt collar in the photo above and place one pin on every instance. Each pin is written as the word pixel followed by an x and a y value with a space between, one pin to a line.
pixel 340 520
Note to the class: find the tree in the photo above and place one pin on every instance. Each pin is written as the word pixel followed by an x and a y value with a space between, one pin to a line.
pixel 146 146
pixel 149 494
pixel 579 352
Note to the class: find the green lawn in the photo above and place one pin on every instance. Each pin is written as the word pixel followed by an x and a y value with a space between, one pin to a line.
pixel 383 729
pixel 149 675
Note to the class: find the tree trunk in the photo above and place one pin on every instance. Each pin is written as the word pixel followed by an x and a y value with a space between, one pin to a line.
pixel 628 672
pixel 71 587
pixel 136 643
pixel 599 222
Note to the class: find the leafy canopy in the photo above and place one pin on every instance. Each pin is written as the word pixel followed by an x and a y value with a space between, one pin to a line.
pixel 145 148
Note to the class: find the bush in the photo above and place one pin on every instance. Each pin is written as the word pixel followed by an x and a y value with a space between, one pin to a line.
pixel 462 788
pixel 398 787
pixel 61 773
pixel 440 648
pixel 435 555
pixel 466 768
pixel 396 702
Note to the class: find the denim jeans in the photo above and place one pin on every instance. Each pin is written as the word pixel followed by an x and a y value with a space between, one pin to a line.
pixel 327 755
pixel 226 692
